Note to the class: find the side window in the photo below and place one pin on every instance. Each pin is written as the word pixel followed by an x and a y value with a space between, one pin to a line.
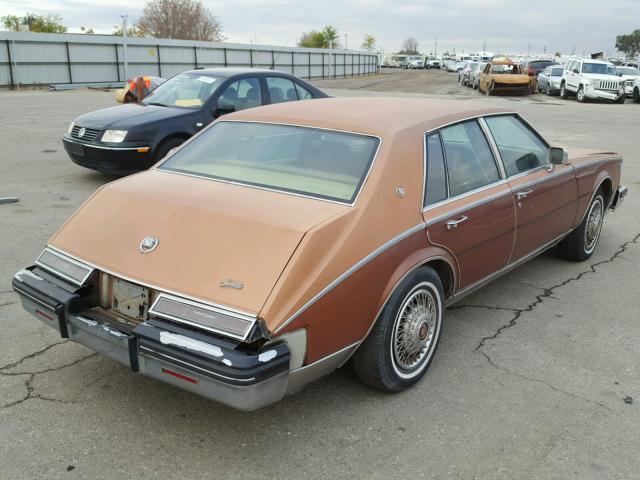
pixel 470 163
pixel 578 66
pixel 570 66
pixel 244 93
pixel 303 93
pixel 520 148
pixel 281 90
pixel 436 181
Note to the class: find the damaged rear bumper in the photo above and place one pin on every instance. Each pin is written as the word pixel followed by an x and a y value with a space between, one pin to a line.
pixel 211 366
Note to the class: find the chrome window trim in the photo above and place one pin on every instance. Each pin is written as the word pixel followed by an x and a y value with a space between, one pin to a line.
pixel 350 271
pixel 230 310
pixel 496 157
pixel 101 147
pixel 266 122
pixel 536 181
pixel 465 195
pixel 191 366
pixel 494 147
pixel 66 258
pixel 250 319
pixel 477 203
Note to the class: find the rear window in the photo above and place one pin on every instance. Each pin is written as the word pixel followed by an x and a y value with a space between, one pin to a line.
pixel 557 72
pixel 320 163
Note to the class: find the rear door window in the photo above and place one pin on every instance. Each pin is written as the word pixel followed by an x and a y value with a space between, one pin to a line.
pixel 281 90
pixel 470 163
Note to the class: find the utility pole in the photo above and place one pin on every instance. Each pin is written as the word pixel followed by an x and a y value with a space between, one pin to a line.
pixel 484 46
pixel 330 54
pixel 529 50
pixel 346 39
pixel 124 46
pixel 435 52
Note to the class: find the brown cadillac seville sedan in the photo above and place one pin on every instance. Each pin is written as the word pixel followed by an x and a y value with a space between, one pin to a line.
pixel 283 241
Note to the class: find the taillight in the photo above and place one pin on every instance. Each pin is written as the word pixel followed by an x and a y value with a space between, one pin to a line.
pixel 531 71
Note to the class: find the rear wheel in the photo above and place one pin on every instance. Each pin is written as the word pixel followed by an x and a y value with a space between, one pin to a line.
pixel 636 95
pixel 580 244
pixel 548 90
pixel 401 345
pixel 563 91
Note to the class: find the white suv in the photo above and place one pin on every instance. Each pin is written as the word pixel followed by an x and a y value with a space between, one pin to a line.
pixel 591 79
pixel 636 91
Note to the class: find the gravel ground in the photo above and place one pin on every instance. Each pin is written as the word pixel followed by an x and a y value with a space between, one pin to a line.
pixel 529 380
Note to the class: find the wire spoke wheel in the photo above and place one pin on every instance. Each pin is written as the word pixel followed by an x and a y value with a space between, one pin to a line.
pixel 594 225
pixel 414 331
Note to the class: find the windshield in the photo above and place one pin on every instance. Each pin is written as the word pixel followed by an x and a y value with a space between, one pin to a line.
pixel 628 71
pixel 303 160
pixel 599 68
pixel 187 90
pixel 506 69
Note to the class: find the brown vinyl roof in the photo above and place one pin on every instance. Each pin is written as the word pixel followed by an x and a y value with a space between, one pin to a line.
pixel 378 116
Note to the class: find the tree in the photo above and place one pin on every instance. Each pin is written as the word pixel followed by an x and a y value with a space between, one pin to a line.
pixel 557 55
pixel 131 31
pixel 331 35
pixel 629 44
pixel 88 31
pixel 368 42
pixel 181 19
pixel 315 39
pixel 410 46
pixel 36 23
pixel 312 39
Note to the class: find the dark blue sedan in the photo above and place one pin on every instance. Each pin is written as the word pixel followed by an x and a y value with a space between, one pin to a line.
pixel 132 137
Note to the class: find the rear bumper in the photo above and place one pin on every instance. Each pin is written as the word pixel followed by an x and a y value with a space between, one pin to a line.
pixel 210 366
pixel 114 160
pixel 618 197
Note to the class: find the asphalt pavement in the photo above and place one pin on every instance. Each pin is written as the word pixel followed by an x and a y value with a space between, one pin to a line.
pixel 529 381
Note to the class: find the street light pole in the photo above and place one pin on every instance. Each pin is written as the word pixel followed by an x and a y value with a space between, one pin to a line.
pixel 124 46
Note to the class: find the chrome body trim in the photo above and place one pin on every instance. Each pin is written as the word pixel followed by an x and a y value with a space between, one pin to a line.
pixel 20 291
pixel 300 377
pixel 350 204
pixel 593 195
pixel 66 258
pixel 618 197
pixel 102 147
pixel 350 271
pixel 191 366
pixel 465 195
pixel 246 318
pixel 596 162
pixel 469 206
pixel 553 174
pixel 231 310
pixel 493 146
pixel 507 268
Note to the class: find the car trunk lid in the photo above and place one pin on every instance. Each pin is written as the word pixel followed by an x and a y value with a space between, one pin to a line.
pixel 212 236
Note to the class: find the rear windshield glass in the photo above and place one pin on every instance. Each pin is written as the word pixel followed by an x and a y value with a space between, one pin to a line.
pixel 319 163
pixel 557 72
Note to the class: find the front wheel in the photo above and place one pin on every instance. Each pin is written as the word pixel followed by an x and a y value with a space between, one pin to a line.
pixel 548 90
pixel 622 99
pixel 401 345
pixel 580 244
pixel 636 95
pixel 580 95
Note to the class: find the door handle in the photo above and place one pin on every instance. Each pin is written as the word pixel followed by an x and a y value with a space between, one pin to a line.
pixel 454 223
pixel 523 193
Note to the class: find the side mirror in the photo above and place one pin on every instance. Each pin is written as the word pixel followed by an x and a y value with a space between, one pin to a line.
pixel 575 70
pixel 558 156
pixel 223 109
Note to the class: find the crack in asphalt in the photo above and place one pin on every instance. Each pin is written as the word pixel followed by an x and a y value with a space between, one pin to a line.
pixel 31 393
pixel 518 312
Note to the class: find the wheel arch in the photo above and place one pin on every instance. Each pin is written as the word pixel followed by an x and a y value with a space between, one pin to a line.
pixel 440 261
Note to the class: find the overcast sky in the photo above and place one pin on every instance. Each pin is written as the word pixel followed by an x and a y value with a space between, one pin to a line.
pixel 505 26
